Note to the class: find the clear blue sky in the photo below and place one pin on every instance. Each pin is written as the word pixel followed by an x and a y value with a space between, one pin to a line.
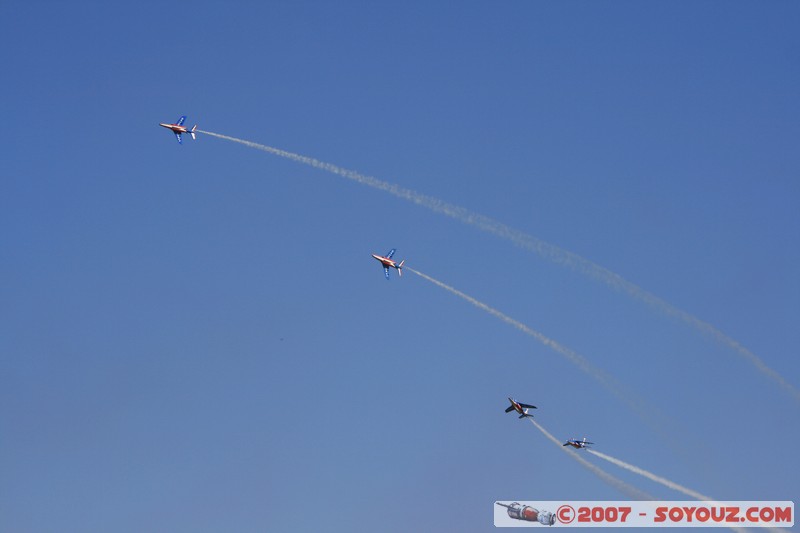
pixel 195 338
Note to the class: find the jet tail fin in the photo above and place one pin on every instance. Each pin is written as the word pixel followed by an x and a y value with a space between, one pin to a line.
pixel 400 268
pixel 194 137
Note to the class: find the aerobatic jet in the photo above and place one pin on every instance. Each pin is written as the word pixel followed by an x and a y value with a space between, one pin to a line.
pixel 521 408
pixel 577 444
pixel 178 128
pixel 387 262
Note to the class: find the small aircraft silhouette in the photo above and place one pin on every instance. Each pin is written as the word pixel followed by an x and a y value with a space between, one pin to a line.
pixel 577 444
pixel 387 262
pixel 179 128
pixel 521 408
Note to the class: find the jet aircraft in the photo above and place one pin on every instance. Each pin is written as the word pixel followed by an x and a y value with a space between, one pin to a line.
pixel 577 444
pixel 521 408
pixel 387 261
pixel 178 128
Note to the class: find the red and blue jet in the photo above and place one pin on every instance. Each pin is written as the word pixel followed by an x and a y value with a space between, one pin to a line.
pixel 178 128
pixel 521 408
pixel 387 262
pixel 577 444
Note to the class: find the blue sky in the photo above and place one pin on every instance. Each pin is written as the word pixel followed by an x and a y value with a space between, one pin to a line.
pixel 195 337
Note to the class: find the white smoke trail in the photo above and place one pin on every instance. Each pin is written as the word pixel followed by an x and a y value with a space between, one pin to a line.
pixel 573 357
pixel 658 479
pixel 649 475
pixel 615 482
pixel 529 242
pixel 625 488
pixel 607 381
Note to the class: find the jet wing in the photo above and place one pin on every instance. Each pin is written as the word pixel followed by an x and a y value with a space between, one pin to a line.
pixel 181 120
pixel 509 408
pixel 178 136
pixel 386 272
pixel 391 253
pixel 528 406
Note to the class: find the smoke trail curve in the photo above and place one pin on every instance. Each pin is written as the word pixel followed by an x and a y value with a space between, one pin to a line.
pixel 625 488
pixel 663 481
pixel 615 482
pixel 649 475
pixel 578 360
pixel 647 414
pixel 528 242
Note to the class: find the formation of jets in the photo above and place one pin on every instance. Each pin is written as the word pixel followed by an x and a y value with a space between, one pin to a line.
pixel 522 409
pixel 386 262
pixel 178 128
